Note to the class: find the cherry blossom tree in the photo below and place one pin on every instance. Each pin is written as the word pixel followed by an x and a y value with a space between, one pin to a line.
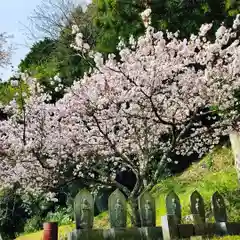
pixel 156 98
pixel 124 113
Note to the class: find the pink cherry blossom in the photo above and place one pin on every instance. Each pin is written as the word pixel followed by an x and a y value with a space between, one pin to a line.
pixel 119 117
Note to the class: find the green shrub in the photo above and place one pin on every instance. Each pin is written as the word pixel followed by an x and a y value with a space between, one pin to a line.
pixel 33 224
pixel 13 214
pixel 62 216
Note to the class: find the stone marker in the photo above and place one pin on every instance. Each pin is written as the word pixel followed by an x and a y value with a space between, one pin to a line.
pixel 173 206
pixel 117 210
pixel 146 205
pixel 84 209
pixel 219 208
pixel 197 205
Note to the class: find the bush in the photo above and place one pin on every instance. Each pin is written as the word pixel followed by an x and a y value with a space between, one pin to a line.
pixel 33 224
pixel 12 214
pixel 61 215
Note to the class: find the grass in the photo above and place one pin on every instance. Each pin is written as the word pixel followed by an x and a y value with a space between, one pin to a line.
pixel 206 178
pixel 62 231
pixel 215 172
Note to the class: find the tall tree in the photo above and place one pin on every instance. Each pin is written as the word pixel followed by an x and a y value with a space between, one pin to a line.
pixel 120 18
pixel 50 17
pixel 50 57
pixel 116 19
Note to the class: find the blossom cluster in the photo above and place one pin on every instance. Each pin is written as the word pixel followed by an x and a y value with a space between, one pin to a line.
pixel 146 17
pixel 152 101
pixel 79 45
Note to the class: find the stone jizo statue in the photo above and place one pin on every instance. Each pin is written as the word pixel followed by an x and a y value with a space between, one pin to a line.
pixel 85 213
pixel 148 213
pixel 119 213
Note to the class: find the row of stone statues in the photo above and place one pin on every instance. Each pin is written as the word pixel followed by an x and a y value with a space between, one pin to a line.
pixel 118 209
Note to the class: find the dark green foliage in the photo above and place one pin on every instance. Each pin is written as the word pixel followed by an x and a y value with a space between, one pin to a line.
pixel 13 214
pixel 33 224
pixel 69 63
pixel 61 215
pixel 114 19
pixel 39 54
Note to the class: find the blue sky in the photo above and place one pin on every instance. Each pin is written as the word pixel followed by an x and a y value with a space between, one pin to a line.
pixel 13 17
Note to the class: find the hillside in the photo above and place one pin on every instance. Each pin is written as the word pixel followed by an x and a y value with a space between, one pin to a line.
pixel 215 172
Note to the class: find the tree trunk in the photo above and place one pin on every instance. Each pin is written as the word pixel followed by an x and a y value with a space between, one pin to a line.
pixel 133 200
pixel 235 143
pixel 135 215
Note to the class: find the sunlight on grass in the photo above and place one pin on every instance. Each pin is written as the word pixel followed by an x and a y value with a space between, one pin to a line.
pixel 62 231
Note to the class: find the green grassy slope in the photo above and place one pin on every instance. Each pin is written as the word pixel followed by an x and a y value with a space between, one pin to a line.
pixel 215 172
